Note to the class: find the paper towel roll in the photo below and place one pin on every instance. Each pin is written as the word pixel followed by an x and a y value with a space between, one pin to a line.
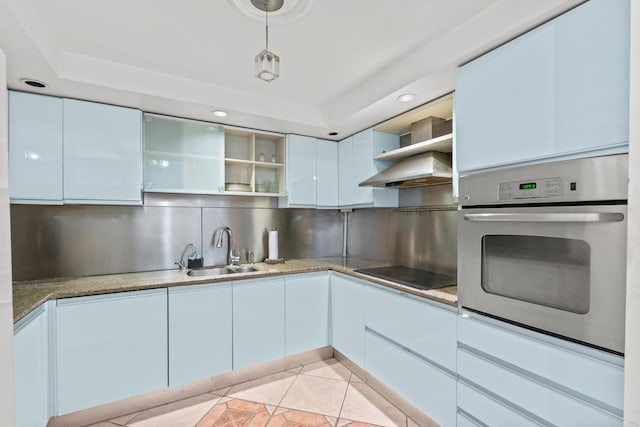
pixel 273 244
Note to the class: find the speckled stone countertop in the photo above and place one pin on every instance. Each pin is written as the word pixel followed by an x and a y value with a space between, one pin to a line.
pixel 28 295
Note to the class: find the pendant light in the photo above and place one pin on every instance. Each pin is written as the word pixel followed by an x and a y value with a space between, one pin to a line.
pixel 267 64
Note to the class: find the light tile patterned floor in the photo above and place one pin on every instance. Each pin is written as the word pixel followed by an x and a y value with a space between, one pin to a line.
pixel 322 394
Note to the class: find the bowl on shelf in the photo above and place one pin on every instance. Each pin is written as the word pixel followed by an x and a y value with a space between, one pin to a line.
pixel 262 187
pixel 237 186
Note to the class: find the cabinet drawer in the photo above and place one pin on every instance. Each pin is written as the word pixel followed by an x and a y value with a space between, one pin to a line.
pixel 462 421
pixel 488 411
pixel 599 378
pixel 420 326
pixel 426 387
pixel 533 396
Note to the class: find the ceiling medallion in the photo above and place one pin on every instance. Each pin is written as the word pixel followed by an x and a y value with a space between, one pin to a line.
pixel 287 12
pixel 267 5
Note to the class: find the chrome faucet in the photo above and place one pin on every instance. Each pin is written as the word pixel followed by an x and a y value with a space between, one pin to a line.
pixel 181 264
pixel 232 258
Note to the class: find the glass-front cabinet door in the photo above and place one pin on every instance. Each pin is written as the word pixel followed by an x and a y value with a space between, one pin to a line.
pixel 182 156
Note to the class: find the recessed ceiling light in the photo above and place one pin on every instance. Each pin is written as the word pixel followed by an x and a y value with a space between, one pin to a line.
pixel 34 83
pixel 333 133
pixel 219 113
pixel 407 97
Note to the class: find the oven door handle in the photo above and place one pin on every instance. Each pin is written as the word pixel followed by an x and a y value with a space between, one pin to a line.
pixel 546 217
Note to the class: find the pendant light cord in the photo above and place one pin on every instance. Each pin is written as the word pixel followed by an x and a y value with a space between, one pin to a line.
pixel 266 15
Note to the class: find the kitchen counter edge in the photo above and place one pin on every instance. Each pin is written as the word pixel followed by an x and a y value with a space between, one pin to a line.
pixel 28 295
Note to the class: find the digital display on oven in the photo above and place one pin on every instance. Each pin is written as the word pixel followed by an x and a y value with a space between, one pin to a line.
pixel 528 186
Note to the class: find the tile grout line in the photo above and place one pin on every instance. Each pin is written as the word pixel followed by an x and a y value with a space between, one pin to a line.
pixel 286 392
pixel 317 413
pixel 345 395
pixel 209 410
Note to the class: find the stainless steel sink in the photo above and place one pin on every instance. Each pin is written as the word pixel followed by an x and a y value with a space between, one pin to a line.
pixel 245 269
pixel 210 271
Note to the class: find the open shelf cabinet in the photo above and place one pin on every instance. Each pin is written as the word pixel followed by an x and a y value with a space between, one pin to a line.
pixel 254 161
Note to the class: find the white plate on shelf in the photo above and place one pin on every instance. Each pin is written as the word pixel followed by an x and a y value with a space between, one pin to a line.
pixel 237 186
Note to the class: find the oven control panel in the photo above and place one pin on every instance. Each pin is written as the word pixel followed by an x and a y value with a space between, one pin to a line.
pixel 531 189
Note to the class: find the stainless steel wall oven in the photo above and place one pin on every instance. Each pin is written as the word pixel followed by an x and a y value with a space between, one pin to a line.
pixel 545 246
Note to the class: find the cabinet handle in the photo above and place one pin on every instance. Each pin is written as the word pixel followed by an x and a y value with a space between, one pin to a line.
pixel 546 217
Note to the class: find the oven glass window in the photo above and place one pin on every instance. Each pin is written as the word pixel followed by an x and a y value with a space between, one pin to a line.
pixel 549 271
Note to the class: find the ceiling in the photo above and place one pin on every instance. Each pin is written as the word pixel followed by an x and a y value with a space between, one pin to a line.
pixel 343 63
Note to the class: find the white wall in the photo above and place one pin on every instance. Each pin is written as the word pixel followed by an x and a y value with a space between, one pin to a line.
pixel 7 396
pixel 632 349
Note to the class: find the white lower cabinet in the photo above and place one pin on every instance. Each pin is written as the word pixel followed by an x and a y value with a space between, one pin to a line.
pixel 410 345
pixel 426 328
pixel 200 332
pixel 31 358
pixel 348 317
pixel 531 376
pixel 479 406
pixel 424 385
pixel 306 312
pixel 77 353
pixel 464 421
pixel 110 347
pixel 258 321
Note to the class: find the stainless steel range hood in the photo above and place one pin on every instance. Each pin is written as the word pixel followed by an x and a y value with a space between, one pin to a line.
pixel 427 168
pixel 422 169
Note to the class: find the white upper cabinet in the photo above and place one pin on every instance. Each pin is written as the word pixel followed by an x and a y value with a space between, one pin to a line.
pixel 327 174
pixel 345 173
pixel 182 156
pixel 558 91
pixel 356 164
pixel 301 171
pixel 35 148
pixel 102 153
pixel 312 173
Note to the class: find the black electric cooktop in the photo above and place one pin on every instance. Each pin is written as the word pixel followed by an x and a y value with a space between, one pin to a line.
pixel 412 277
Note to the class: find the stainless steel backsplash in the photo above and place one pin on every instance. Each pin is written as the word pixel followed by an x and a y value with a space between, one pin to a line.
pixel 422 234
pixel 415 238
pixel 63 241
pixel 302 233
pixel 71 240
